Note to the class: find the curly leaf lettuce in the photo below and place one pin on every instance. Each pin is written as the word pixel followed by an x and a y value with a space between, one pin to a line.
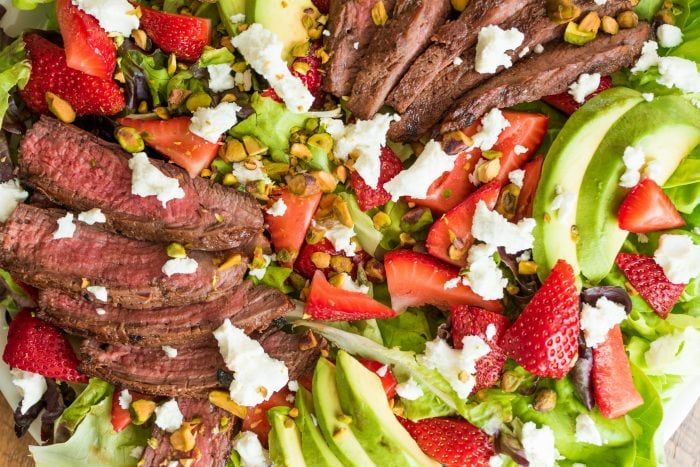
pixel 14 72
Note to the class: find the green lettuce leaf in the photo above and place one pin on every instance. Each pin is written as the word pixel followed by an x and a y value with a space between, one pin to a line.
pixel 689 23
pixel 368 236
pixel 96 391
pixel 29 4
pixel 409 331
pixel 646 10
pixel 14 71
pixel 684 185
pixel 275 277
pixel 211 56
pixel 153 66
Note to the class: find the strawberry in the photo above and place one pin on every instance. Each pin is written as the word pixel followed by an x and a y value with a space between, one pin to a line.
pixel 324 6
pixel 88 47
pixel 450 441
pixel 544 338
pixel 88 95
pixel 368 197
pixel 533 170
pixel 312 78
pixel 121 418
pixel 256 417
pixel 649 279
pixel 185 36
pixel 450 237
pixel 526 130
pixel 388 380
pixel 173 139
pixel 416 279
pixel 38 347
pixel 566 103
pixel 289 230
pixel 647 209
pixel 328 303
pixel 472 321
pixel 306 267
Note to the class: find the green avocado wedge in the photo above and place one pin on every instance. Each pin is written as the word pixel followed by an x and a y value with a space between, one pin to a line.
pixel 281 17
pixel 666 129
pixel 314 448
pixel 285 441
pixel 564 168
pixel 373 423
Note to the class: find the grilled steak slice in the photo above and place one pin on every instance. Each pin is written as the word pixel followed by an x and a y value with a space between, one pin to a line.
pixel 351 29
pixel 80 171
pixel 212 440
pixel 130 270
pixel 394 47
pixel 286 347
pixel 248 307
pixel 549 73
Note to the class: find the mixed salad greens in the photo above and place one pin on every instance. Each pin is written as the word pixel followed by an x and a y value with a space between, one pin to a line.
pixel 288 161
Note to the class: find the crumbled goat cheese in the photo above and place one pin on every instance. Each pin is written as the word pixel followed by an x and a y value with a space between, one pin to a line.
pixel 116 16
pixel 648 96
pixel 538 444
pixel 669 35
pixel 654 171
pixel 524 52
pixel 220 78
pixel 125 399
pixel 586 431
pixel 259 273
pixel 252 454
pixel 517 177
pixel 492 124
pixel 277 209
pixel 93 216
pixel 11 194
pixel 679 72
pixel 244 175
pixel 263 51
pixel 100 311
pixel 341 237
pixel 179 266
pixel 355 45
pixel 452 283
pixel 137 452
pixel 484 276
pixel 66 227
pixel 409 390
pixel 293 385
pixel 210 123
pixel 256 376
pixel 168 416
pixel 490 331
pixel 326 33
pixel 601 2
pixel 492 228
pixel 171 352
pixel 147 180
pixel 679 257
pixel 456 366
pixel 641 238
pixel 457 61
pixel 497 460
pixel 237 18
pixel 524 256
pixel 290 398
pixel 598 320
pixel 381 371
pixel 634 161
pixel 416 180
pixel 31 386
pixel 492 45
pixel 518 149
pixel 564 204
pixel 99 292
pixel 648 58
pixel 584 86
pixel 346 283
pixel 539 48
pixel 675 354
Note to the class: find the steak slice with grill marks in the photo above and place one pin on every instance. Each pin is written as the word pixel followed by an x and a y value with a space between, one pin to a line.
pixel 130 270
pixel 248 307
pixel 80 171
pixel 393 48
pixel 549 73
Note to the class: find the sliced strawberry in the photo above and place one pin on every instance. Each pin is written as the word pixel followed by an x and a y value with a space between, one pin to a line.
pixel 388 380
pixel 288 231
pixel 256 417
pixel 368 197
pixel 306 267
pixel 544 338
pixel 88 47
pixel 38 347
pixel 450 441
pixel 185 36
pixel 121 418
pixel 312 78
pixel 566 103
pixel 533 170
pixel 613 386
pixel 173 139
pixel 647 209
pixel 526 130
pixel 328 303
pixel 416 279
pixel 450 237
pixel 88 95
pixel 649 279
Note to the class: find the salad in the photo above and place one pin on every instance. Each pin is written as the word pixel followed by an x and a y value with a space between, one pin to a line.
pixel 251 233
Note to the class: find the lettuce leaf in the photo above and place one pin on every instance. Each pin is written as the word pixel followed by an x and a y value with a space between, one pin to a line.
pixel 14 71
pixel 684 185
pixel 96 391
pixel 690 25
pixel 409 331
pixel 139 67
pixel 29 4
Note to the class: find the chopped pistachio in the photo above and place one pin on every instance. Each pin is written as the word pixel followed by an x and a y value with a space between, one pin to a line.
pixel 197 100
pixel 233 260
pixel 609 25
pixel 508 201
pixel 141 411
pixel 321 259
pixel 176 250
pixel 341 173
pixel 340 432
pixel 287 255
pixel 253 146
pixel 294 412
pixel 308 341
pixel 381 220
pixel 60 108
pixel 590 23
pixel 301 49
pixel 406 239
pixel 314 235
pixel 327 182
pixel 301 151
pixel 491 154
pixel 140 38
pixel 162 113
pixel 183 439
pixel 342 212
pixel 379 15
pixel 488 171
pixel 205 173
pixel 511 381
pixel 129 139
pixel 172 64
pixel 628 19
pixel 341 264
pixel 301 67
pixel 573 35
pixel 229 180
pixel 303 185
pixel 456 253
pixel 345 419
pixel 222 400
pixel 152 443
pixel 322 141
pixel 545 400
pixel 235 151
pixel 375 270
pixel 562 11
pixel 527 267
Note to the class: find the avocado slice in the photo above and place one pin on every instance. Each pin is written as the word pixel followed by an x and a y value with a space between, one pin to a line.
pixel 332 421
pixel 374 424
pixel 282 17
pixel 285 440
pixel 667 128
pixel 314 448
pixel 565 166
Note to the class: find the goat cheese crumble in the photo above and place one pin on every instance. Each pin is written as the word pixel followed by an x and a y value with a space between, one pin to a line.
pixel 147 180
pixel 648 96
pixel 125 399
pixel 564 204
pixel 586 431
pixel 259 273
pixel 409 390
pixel 100 311
pixel 492 45
pixel 11 194
pixel 220 78
pixel 598 320
pixel 633 158
pixel 210 123
pixel 457 61
pixel 93 216
pixel 245 175
pixel 538 444
pixel 99 292
pixel 277 209
pixel 237 18
pixel 492 228
pixel 341 237
pixel 679 257
pixel 66 227
pixel 179 266
pixel 416 180
pixel 168 416
pixel 517 177
pixel 669 35
pixel 346 283
pixel 675 71
pixel 115 16
pixel 31 386
pixel 484 276
pixel 492 125
pixel 381 371
pixel 584 86
pixel 251 452
pixel 456 366
pixel 490 331
pixel 171 352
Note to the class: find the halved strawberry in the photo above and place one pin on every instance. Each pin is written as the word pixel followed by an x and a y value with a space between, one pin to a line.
pixel 533 170
pixel 647 209
pixel 450 441
pixel 121 418
pixel 526 132
pixel 649 279
pixel 173 139
pixel 256 417
pixel 388 380
pixel 306 267
pixel 185 36
pixel 368 197
pixel 328 303
pixel 38 347
pixel 450 237
pixel 566 103
pixel 416 279
pixel 88 47
pixel 88 95
pixel 544 338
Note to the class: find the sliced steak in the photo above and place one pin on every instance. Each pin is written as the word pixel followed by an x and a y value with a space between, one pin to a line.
pixel 393 49
pixel 212 440
pixel 80 171
pixel 248 307
pixel 287 347
pixel 549 73
pixel 351 29
pixel 130 270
